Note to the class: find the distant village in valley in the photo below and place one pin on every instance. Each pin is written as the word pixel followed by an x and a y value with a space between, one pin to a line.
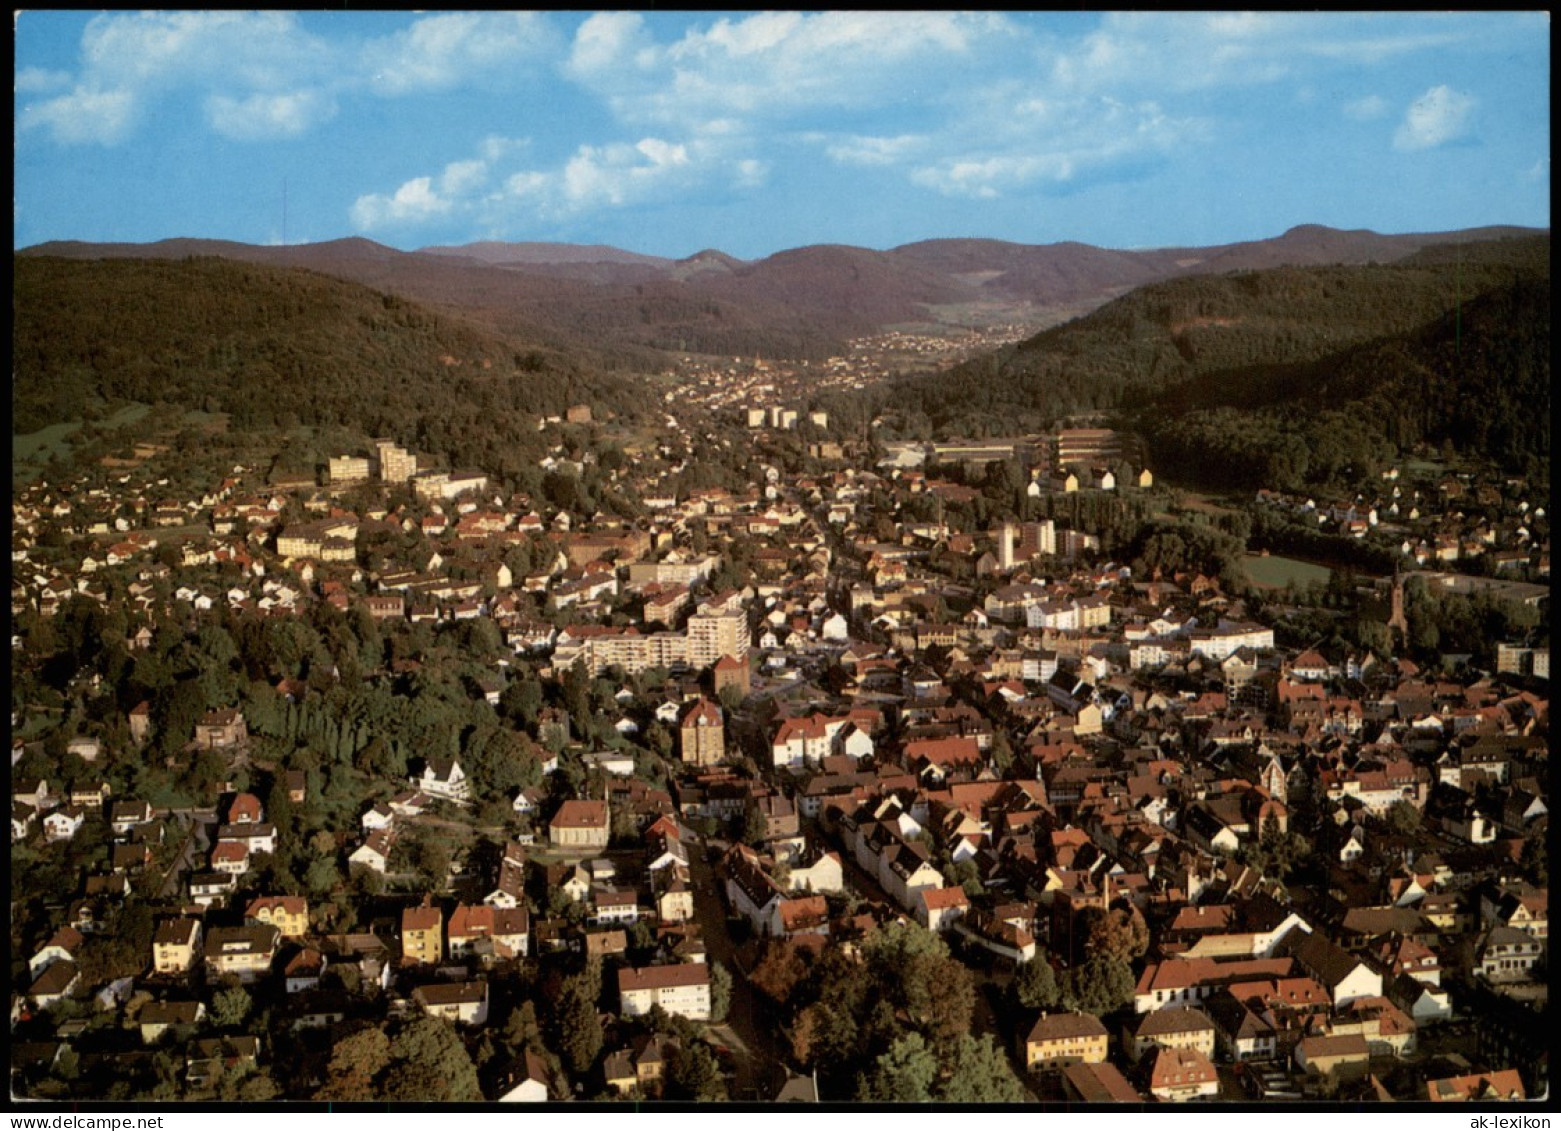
pixel 376 777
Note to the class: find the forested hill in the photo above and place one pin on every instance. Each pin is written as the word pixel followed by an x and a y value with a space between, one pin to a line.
pixel 1250 341
pixel 1476 377
pixel 275 347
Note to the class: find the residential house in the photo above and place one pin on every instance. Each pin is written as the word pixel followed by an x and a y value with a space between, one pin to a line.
pixel 940 907
pixel 1175 1027
pixel 159 1017
pixel 63 824
pixel 683 989
pixel 245 952
pixel 1507 954
pixel 289 914
pixel 374 852
pixel 580 825
pixel 176 946
pixel 63 946
pixel 1180 1074
pixel 1477 1087
pixel 221 729
pixel 444 778
pixel 1344 975
pixel 527 1083
pixel 422 933
pixel 1339 1056
pixel 207 1059
pixel 1058 1040
pixel 126 815
pixel 464 1003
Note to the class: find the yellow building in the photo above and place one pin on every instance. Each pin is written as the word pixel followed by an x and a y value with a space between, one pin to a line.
pixel 1062 1039
pixel 422 933
pixel 289 914
pixel 176 946
pixel 580 824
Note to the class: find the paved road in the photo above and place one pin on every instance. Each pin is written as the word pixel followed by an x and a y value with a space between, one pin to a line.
pixel 196 843
pixel 749 1029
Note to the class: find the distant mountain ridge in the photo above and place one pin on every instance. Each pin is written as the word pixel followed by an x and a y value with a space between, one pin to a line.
pixel 802 302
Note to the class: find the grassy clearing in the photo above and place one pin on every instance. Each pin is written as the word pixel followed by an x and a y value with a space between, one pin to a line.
pixel 55 440
pixel 1191 500
pixel 130 414
pixel 1273 572
pixel 37 447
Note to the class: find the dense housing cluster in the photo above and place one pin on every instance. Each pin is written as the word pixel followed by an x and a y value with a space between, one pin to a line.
pixel 399 783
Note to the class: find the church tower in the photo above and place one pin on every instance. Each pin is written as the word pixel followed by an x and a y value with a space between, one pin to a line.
pixel 1398 623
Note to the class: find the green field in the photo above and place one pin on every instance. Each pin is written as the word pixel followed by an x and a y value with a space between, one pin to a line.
pixel 1274 572
pixel 37 447
pixel 40 445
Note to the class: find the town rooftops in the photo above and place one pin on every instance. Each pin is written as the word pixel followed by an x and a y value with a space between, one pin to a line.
pixel 1061 1026
pixel 663 977
pixel 580 815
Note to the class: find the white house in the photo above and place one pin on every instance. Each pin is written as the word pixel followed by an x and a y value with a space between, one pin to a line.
pixel 683 989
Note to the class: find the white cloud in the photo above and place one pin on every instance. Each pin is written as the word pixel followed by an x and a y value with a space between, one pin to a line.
pixel 875 150
pixel 268 116
pixel 750 173
pixel 84 116
pixel 1184 51
pixel 38 80
pixel 773 64
pixel 413 203
pixel 489 191
pixel 1366 109
pixel 1036 145
pixel 1439 116
pixel 166 49
pixel 264 75
pixel 462 177
pixel 259 75
pixel 614 174
pixel 496 148
pixel 443 51
pixel 988 178
pixel 606 40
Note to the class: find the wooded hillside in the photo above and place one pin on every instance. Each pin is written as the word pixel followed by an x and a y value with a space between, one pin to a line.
pixel 276 347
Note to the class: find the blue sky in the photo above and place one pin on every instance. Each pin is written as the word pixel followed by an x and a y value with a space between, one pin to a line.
pixel 665 133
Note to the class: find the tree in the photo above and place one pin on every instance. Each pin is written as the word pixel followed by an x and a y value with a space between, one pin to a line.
pixel 979 1073
pixel 778 971
pixel 521 701
pixel 1100 985
pixel 322 876
pixel 577 1026
pixel 720 992
pixel 1035 984
pixel 693 1073
pixel 1403 818
pixel 904 1074
pixel 231 1007
pixel 754 827
pixel 912 969
pixel 430 857
pixel 429 1064
pixel 1119 931
pixel 522 1030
